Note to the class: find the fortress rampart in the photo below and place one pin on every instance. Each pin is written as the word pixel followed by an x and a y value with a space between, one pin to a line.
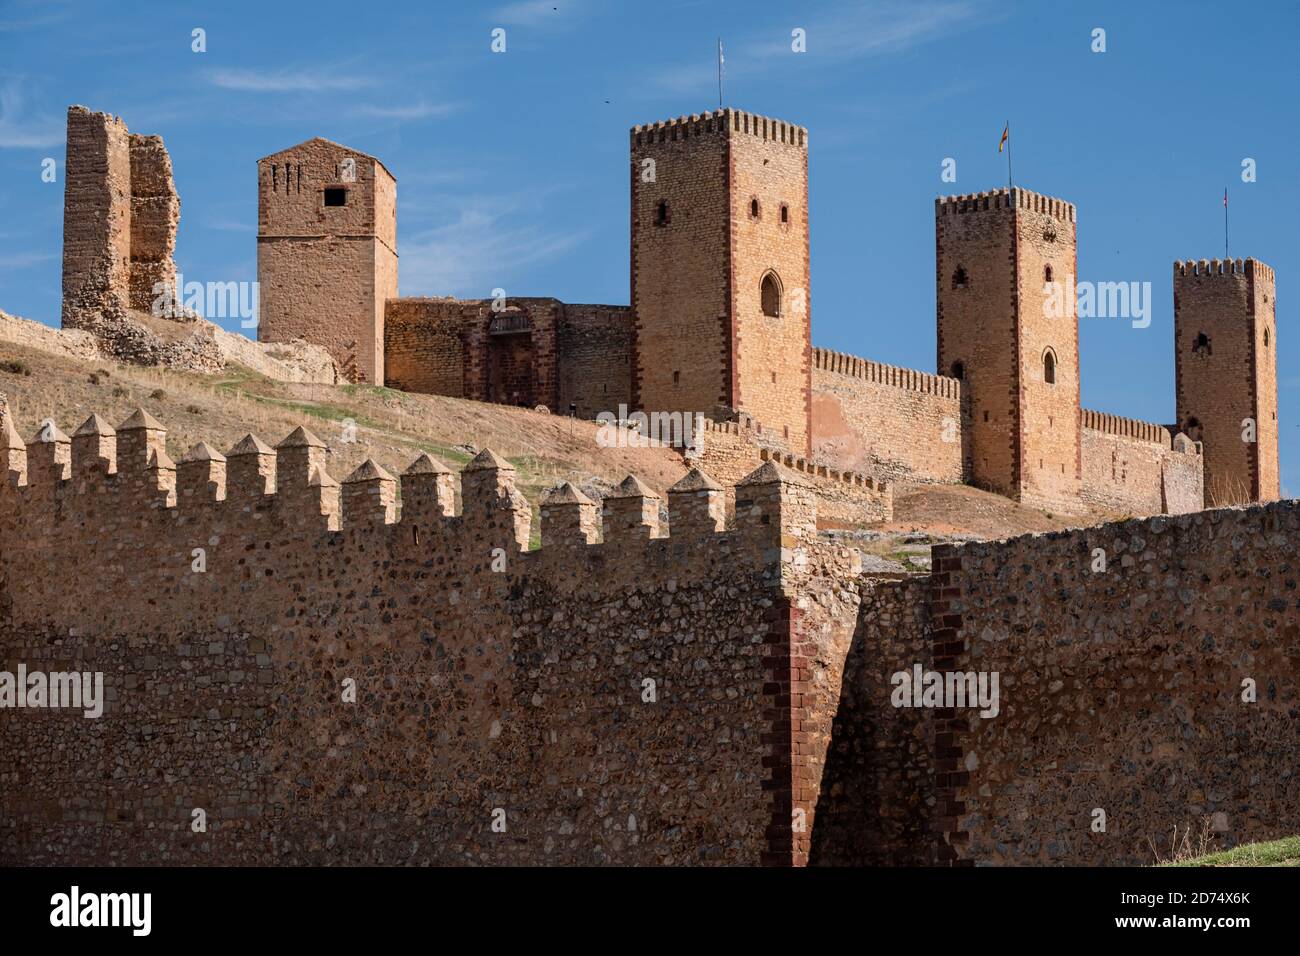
pixel 896 423
pixel 597 699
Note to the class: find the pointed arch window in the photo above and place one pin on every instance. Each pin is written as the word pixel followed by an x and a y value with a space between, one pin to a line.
pixel 770 294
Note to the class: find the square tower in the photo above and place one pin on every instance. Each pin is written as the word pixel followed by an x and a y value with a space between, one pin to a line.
pixel 1225 356
pixel 1007 327
pixel 327 252
pixel 720 270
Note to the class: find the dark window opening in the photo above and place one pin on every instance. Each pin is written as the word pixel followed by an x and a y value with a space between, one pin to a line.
pixel 1266 338
pixel 336 197
pixel 1193 428
pixel 753 208
pixel 770 293
pixel 958 371
pixel 1202 344
pixel 1049 367
pixel 1047 274
pixel 986 418
pixel 785 213
pixel 959 278
pixel 677 377
pixel 661 213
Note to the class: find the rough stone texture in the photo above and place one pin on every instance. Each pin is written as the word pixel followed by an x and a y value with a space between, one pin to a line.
pixel 1121 690
pixel 877 786
pixel 771 737
pixel 1230 375
pixel 326 271
pixel 894 423
pixel 1139 468
pixel 155 214
pixel 520 689
pixel 96 218
pixel 702 339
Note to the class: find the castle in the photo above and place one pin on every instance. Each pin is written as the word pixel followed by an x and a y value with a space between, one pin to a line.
pixel 720 323
pixel 382 670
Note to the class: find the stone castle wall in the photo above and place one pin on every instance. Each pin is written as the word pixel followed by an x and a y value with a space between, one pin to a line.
pixel 1121 690
pixel 521 690
pixel 894 423
pixel 500 685
pixel 1138 468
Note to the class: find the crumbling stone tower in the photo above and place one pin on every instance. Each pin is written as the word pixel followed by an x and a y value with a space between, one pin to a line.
pixel 1225 348
pixel 720 270
pixel 327 252
pixel 120 212
pixel 1005 265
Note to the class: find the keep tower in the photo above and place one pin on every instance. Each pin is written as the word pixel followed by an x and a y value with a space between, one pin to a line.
pixel 1007 327
pixel 1225 348
pixel 720 276
pixel 327 252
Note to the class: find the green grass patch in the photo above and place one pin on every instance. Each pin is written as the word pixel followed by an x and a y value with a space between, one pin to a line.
pixel 1284 852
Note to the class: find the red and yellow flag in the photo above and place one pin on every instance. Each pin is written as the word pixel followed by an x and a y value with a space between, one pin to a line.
pixel 1006 133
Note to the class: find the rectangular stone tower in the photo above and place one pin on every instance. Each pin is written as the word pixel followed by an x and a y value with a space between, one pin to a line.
pixel 1007 327
pixel 720 270
pixel 120 212
pixel 1225 356
pixel 327 252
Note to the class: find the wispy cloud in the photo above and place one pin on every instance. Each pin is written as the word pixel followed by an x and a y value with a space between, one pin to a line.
pixel 23 260
pixel 20 131
pixel 483 248
pixel 288 80
pixel 531 13
pixel 413 111
pixel 859 31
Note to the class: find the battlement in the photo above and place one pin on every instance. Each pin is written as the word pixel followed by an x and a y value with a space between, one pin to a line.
pixel 1198 268
pixel 126 473
pixel 727 121
pixel 852 478
pixel 1005 199
pixel 905 378
pixel 1130 428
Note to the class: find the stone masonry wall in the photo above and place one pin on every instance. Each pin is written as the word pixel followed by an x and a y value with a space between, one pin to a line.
pixel 893 423
pixel 595 359
pixel 424 349
pixel 878 781
pixel 516 696
pixel 96 217
pixel 1122 690
pixel 1137 468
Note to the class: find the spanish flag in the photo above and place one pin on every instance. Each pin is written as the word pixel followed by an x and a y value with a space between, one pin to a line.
pixel 1006 133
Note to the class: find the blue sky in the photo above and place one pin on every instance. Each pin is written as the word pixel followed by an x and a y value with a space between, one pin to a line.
pixel 511 167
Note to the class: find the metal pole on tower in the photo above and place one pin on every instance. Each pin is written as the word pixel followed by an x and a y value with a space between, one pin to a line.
pixel 721 60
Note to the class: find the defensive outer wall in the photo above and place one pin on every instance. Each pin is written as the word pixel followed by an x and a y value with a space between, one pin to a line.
pixel 625 693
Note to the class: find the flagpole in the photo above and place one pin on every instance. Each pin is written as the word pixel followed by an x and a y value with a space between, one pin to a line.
pixel 1010 187
pixel 1225 222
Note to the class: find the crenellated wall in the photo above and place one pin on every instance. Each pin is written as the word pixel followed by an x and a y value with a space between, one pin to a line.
pixel 895 423
pixel 1139 468
pixel 486 680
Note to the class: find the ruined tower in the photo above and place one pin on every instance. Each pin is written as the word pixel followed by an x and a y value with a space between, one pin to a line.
pixel 720 270
pixel 120 212
pixel 327 252
pixel 1007 327
pixel 1225 348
